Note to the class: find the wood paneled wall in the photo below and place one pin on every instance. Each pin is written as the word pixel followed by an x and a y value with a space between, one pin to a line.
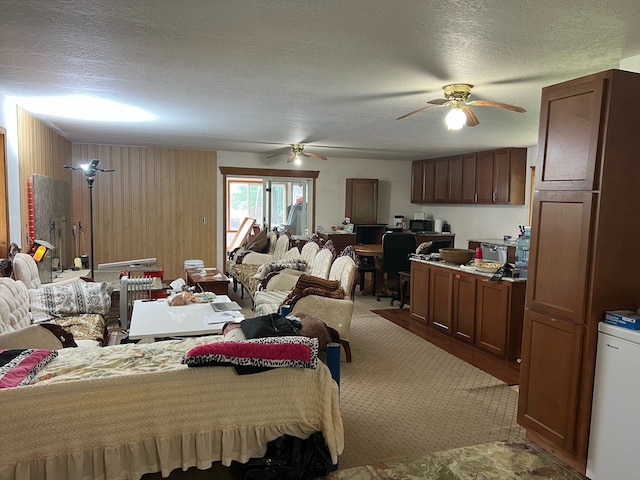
pixel 4 198
pixel 155 204
pixel 40 151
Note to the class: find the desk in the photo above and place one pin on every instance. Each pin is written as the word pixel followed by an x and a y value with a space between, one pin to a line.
pixel 156 319
pixel 213 280
pixel 370 256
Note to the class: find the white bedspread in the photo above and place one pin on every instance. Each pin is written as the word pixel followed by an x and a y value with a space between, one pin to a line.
pixel 122 411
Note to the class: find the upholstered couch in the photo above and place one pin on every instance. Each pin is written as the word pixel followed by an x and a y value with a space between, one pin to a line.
pixel 255 266
pixel 80 308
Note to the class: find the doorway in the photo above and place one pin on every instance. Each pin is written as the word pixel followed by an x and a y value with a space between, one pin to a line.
pixel 281 200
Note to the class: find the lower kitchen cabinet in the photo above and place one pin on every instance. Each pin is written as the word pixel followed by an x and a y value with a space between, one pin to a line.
pixel 469 307
pixel 499 317
pixel 440 299
pixel 464 306
pixel 419 285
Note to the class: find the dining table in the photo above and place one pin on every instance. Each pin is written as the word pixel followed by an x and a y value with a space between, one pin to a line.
pixel 371 260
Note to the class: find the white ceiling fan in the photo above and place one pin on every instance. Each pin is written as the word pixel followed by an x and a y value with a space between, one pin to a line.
pixel 457 97
pixel 297 152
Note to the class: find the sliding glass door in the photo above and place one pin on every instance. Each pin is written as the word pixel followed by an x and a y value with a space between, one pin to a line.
pixel 280 203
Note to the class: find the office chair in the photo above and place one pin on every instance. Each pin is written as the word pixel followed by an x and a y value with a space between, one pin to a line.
pixel 396 248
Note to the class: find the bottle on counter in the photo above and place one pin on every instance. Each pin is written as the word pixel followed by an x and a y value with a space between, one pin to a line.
pixel 522 252
pixel 477 257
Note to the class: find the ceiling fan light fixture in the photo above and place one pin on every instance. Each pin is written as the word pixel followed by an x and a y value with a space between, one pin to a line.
pixel 455 119
pixel 297 159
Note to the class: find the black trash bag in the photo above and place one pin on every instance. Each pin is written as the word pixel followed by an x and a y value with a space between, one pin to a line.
pixel 291 458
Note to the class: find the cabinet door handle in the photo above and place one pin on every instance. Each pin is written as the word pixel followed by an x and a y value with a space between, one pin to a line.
pixel 493 197
pixel 475 197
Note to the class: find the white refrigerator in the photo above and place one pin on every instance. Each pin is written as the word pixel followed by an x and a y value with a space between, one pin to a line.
pixel 614 441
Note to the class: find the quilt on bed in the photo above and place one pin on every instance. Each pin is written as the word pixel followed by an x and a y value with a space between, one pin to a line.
pixel 126 410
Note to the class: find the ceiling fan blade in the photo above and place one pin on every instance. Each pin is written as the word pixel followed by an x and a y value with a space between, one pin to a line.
pixel 314 155
pixel 416 111
pixel 472 120
pixel 291 158
pixel 439 101
pixel 274 155
pixel 491 103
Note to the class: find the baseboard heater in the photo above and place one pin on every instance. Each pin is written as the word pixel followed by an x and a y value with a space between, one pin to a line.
pixel 129 263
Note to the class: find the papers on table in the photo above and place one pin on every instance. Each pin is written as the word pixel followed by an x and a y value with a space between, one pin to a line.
pixel 223 317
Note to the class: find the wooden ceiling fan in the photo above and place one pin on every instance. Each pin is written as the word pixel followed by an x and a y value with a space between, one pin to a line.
pixel 297 152
pixel 456 96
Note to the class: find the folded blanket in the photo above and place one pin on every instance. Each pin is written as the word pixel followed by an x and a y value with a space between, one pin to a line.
pixel 18 367
pixel 258 354
pixel 293 264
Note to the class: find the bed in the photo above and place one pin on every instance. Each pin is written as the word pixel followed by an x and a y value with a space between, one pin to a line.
pixel 126 410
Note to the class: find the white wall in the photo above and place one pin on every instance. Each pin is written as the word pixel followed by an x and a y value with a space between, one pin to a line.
pixel 9 120
pixel 394 193
pixel 394 187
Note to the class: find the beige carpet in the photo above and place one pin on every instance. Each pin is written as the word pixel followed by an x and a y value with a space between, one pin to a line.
pixel 404 397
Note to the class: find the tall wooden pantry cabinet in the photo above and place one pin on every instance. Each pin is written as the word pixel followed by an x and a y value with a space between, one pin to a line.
pixel 585 251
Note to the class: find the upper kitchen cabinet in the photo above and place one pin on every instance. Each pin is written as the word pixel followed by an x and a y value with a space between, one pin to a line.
pixel 361 204
pixel 416 181
pixel 441 180
pixel 455 179
pixel 468 194
pixel 570 130
pixel 492 177
pixel 501 175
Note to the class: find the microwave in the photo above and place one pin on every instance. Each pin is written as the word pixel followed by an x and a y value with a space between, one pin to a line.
pixel 421 225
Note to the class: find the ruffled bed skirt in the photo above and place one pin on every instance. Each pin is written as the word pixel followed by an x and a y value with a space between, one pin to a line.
pixel 83 420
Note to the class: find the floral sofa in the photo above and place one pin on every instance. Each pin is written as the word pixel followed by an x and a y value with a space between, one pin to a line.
pixel 80 308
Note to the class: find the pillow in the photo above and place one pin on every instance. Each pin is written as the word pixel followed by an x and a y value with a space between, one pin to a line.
pixel 272 352
pixel 71 299
pixel 42 335
pixel 18 367
pixel 309 281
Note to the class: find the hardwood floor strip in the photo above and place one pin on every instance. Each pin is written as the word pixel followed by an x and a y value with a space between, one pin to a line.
pixel 508 372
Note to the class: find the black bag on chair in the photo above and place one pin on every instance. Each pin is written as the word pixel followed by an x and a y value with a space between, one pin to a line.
pixel 291 458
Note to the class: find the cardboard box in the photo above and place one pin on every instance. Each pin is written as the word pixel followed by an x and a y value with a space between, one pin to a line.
pixel 623 318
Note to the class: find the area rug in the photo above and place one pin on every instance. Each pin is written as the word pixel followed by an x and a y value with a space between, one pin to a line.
pixel 402 396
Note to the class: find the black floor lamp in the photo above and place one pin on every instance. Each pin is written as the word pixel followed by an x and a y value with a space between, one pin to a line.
pixel 90 170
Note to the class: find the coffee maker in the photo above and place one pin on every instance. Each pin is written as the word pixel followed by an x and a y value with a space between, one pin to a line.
pixel 398 222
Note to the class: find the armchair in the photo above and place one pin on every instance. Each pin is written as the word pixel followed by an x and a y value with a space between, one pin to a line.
pixel 335 312
pixel 278 285
pixel 25 269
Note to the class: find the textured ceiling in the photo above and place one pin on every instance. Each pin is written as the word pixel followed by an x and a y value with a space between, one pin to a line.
pixel 255 76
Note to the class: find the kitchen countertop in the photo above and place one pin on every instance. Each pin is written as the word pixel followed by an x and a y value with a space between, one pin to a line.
pixel 464 268
pixel 495 241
